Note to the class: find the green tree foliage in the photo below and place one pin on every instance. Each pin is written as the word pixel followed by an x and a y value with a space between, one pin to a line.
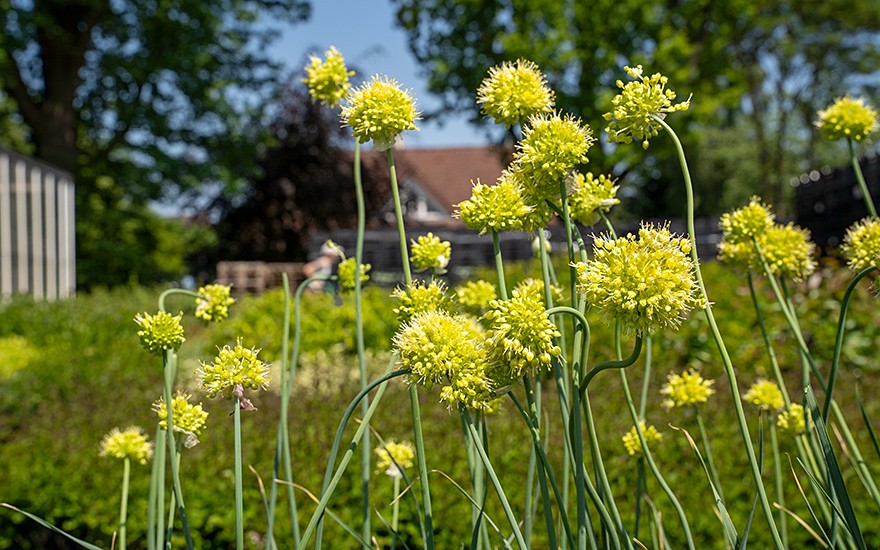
pixel 160 96
pixel 758 71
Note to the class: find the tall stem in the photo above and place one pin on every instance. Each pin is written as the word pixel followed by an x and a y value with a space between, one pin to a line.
pixel 170 359
pixel 499 266
pixel 239 501
pixel 719 341
pixel 123 504
pixel 398 214
pixel 860 178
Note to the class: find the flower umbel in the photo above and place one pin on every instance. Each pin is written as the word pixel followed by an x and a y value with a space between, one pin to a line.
pixel 187 418
pixel 328 79
pixel 496 208
pixel 788 251
pixel 848 118
pixel 429 252
pixel 792 420
pixel 750 221
pixel 420 297
pixel 861 246
pixel 475 296
pixel 765 394
pixel 633 444
pixel 592 195
pixel 213 303
pixel 514 91
pixel 394 457
pixel 639 101
pixel 160 332
pixel 646 283
pixel 380 110
pixel 346 273
pixel 130 443
pixel 232 370
pixel 687 389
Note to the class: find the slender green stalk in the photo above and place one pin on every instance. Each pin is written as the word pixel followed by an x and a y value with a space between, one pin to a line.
pixel 619 364
pixel 395 510
pixel 534 411
pixel 710 461
pixel 499 266
pixel 716 333
pixel 398 214
pixel 239 501
pixel 499 489
pixel 866 194
pixel 777 474
pixel 170 360
pixel 123 504
pixel 170 530
pixel 646 380
pixel 774 362
pixel 156 496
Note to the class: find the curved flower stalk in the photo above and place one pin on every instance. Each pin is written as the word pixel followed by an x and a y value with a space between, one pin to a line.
pixel 129 444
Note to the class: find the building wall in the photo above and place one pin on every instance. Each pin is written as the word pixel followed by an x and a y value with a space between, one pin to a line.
pixel 37 254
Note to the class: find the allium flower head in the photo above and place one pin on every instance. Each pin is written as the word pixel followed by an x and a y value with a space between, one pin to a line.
pixel 788 251
pixel 160 331
pixel 633 444
pixel 475 296
pixel 687 389
pixel 380 110
pixel 328 79
pixel 394 457
pixel 521 334
pixel 233 366
pixel 750 221
pixel 861 246
pixel 420 297
pixel 847 118
pixel 592 195
pixel 499 207
pixel 534 288
pixel 551 147
pixel 646 283
pixel 345 271
pixel 213 303
pixel 515 91
pixel 188 418
pixel 793 420
pixel 429 252
pixel 441 348
pixel 130 443
pixel 634 108
pixel 764 394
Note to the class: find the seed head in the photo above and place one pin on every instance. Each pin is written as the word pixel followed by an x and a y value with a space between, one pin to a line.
pixel 633 444
pixel 687 389
pixel 475 296
pixel 213 303
pixel 592 195
pixel 848 118
pixel 636 105
pixel 861 246
pixel 328 79
pixel 429 252
pixel 233 366
pixel 764 394
pixel 130 443
pixel 380 110
pixel 188 418
pixel 515 91
pixel 160 332
pixel 346 273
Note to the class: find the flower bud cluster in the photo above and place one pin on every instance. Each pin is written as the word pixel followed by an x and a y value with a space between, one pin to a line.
pixel 160 332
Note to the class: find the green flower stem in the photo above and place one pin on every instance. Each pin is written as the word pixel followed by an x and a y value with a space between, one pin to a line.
pixel 395 510
pixel 172 291
pixel 860 178
pixel 838 342
pixel 398 214
pixel 331 479
pixel 168 533
pixel 499 266
pixel 716 333
pixel 169 362
pixel 156 497
pixel 514 524
pixel 123 504
pixel 709 457
pixel 612 364
pixel 366 531
pixel 774 362
pixel 423 467
pixel 608 224
pixel 777 474
pixel 239 501
pixel 534 410
pixel 646 381
pixel 566 219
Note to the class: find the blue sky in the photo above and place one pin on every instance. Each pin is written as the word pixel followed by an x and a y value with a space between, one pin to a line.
pixel 363 30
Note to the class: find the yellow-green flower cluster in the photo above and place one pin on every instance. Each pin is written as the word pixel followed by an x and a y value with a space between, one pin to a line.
pixel 633 444
pixel 233 366
pixel 639 101
pixel 394 457
pixel 521 334
pixel 847 118
pixel 213 303
pixel 441 348
pixel 551 147
pixel 792 420
pixel 475 296
pixel 765 394
pixel 534 288
pixel 130 443
pixel 380 110
pixel 746 223
pixel 515 91
pixel 592 195
pixel 788 251
pixel 328 79
pixel 861 246
pixel 187 417
pixel 429 252
pixel 497 208
pixel 345 271
pixel 687 389
pixel 646 283
pixel 160 332
pixel 420 297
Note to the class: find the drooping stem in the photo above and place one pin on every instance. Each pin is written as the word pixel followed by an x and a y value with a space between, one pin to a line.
pixel 613 364
pixel 860 178
pixel 719 341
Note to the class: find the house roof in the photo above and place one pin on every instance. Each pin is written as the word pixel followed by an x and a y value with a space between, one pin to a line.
pixel 446 173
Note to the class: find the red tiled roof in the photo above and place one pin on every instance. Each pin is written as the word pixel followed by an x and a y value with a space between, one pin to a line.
pixel 447 173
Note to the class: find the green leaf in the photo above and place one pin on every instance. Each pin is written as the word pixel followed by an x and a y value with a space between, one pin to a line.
pixel 51 527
